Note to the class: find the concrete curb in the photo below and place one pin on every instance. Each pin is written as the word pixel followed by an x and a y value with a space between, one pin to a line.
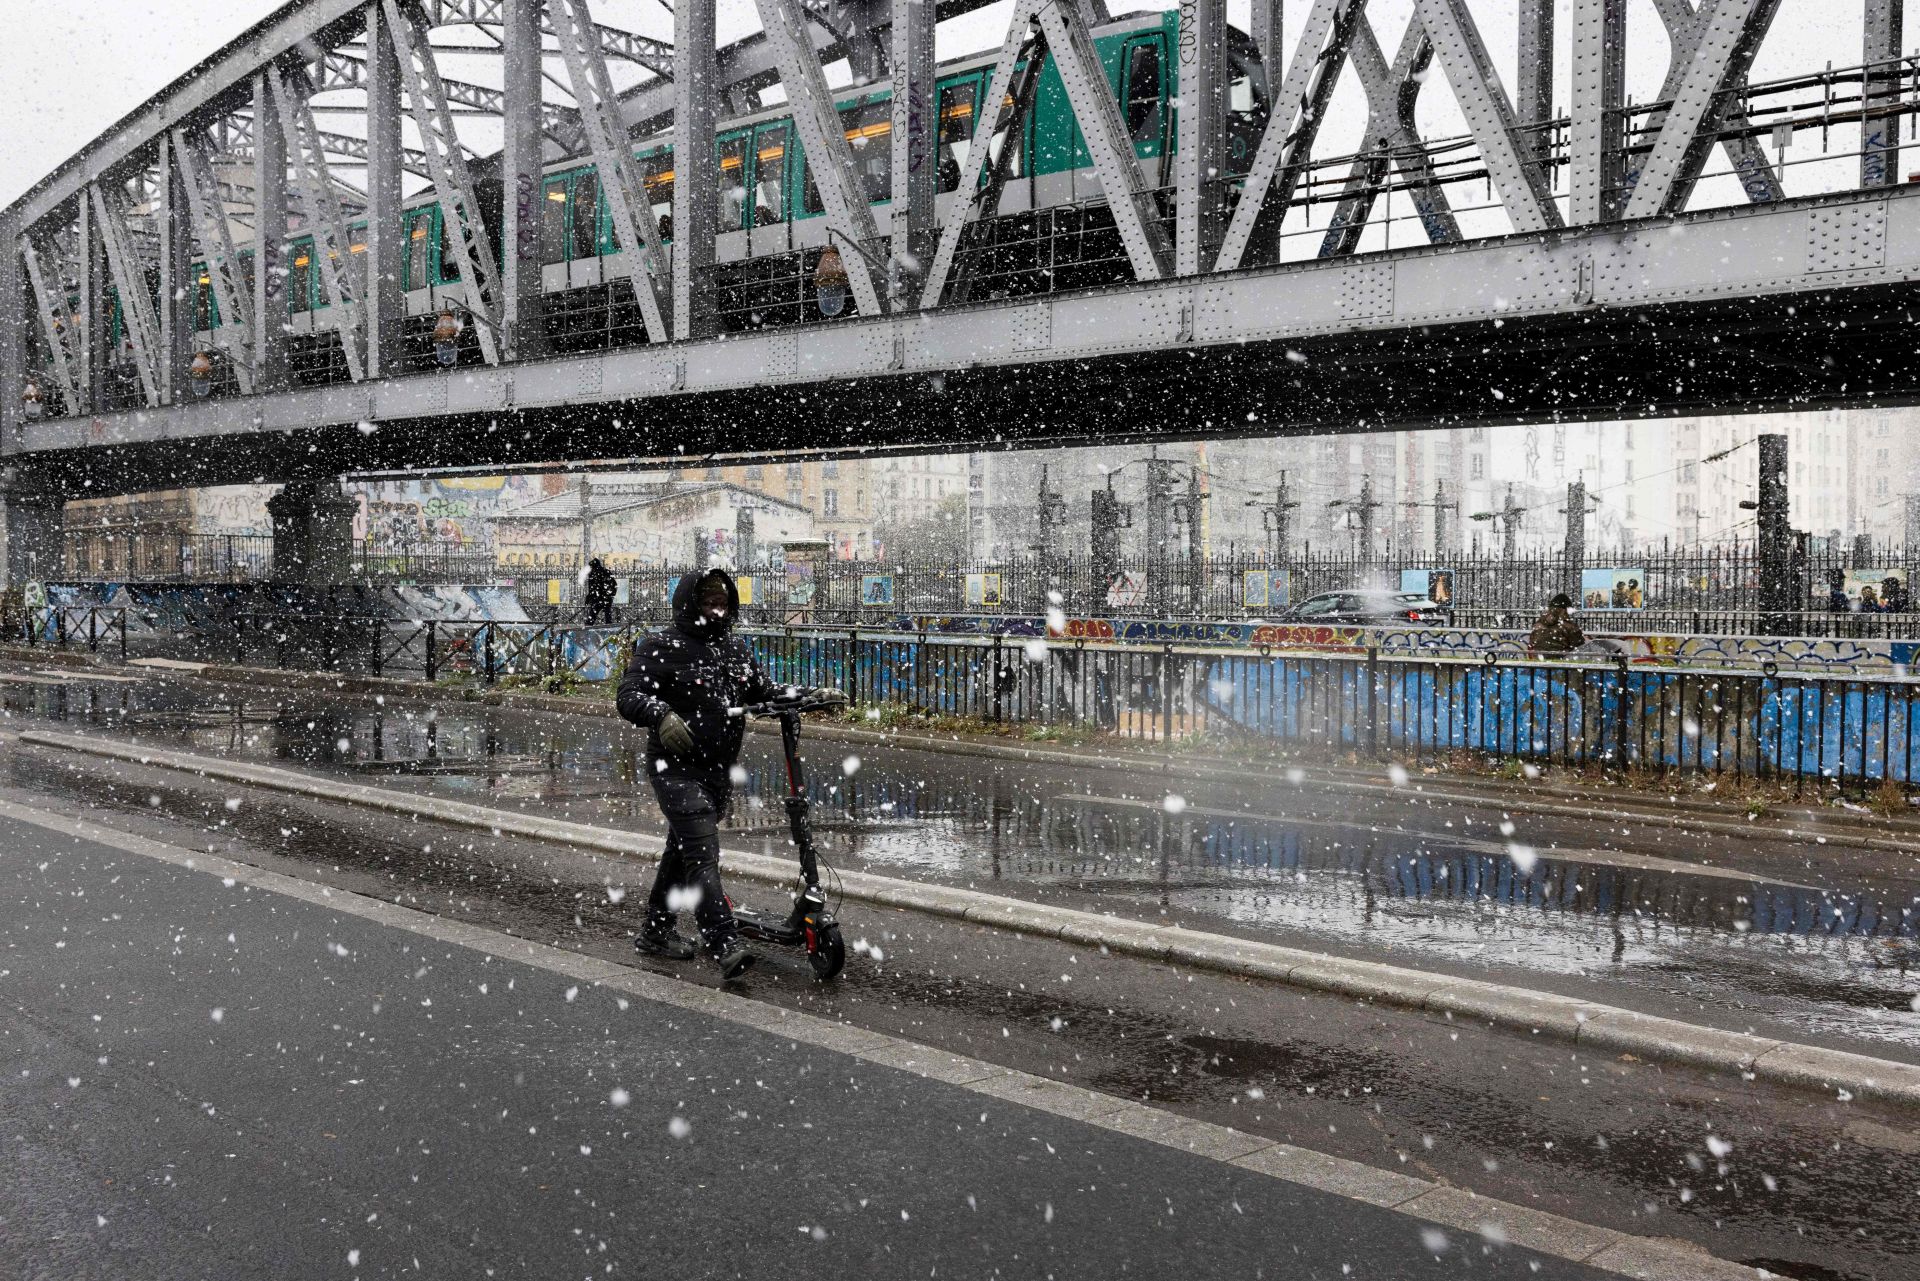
pixel 1584 1023
pixel 1897 835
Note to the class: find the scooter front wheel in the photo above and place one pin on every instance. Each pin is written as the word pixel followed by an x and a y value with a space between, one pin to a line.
pixel 827 953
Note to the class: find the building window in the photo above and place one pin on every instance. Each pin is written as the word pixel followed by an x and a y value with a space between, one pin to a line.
pixel 793 495
pixel 830 468
pixel 756 473
pixel 830 502
pixel 793 473
pixel 1476 468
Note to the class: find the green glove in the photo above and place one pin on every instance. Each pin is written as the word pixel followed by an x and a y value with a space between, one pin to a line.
pixel 675 736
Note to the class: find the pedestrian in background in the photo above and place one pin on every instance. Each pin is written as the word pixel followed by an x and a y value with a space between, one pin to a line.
pixel 599 593
pixel 1556 632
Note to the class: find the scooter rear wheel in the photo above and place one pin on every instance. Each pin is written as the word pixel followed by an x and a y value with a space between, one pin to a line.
pixel 828 955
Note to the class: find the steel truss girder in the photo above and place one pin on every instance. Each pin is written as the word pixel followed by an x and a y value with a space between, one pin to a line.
pixel 1524 189
pixel 997 106
pixel 228 281
pixel 1597 135
pixel 130 279
pixel 1757 179
pixel 1394 140
pixel 346 68
pixel 1728 37
pixel 332 248
pixel 1200 122
pixel 460 214
pixel 1880 43
pixel 696 176
pixel 824 140
pixel 1279 162
pixel 51 307
pixel 620 183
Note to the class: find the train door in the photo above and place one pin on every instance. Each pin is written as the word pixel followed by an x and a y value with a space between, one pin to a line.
pixel 583 229
pixel 418 263
pixel 767 188
pixel 730 220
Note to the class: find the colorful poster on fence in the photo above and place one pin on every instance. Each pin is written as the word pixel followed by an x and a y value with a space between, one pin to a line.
pixel 983 591
pixel 1622 587
pixel 1265 588
pixel 555 587
pixel 745 585
pixel 623 591
pixel 876 590
pixel 1877 591
pixel 1435 584
pixel 799 582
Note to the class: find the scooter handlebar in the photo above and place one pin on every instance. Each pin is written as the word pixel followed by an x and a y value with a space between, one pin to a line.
pixel 811 700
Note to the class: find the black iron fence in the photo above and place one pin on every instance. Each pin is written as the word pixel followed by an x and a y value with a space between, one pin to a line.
pixel 1843 731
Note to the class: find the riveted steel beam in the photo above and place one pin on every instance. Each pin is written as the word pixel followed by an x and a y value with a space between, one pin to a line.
pixel 916 149
pixel 999 109
pixel 464 228
pixel 1525 192
pixel 521 186
pixel 1597 136
pixel 1097 111
pixel 130 287
pixel 1684 24
pixel 332 247
pixel 382 298
pixel 1882 34
pixel 823 138
pixel 1729 36
pixel 226 278
pixel 1392 140
pixel 696 195
pixel 620 182
pixel 1298 109
pixel 1200 125
pixel 269 241
pixel 1533 83
pixel 50 305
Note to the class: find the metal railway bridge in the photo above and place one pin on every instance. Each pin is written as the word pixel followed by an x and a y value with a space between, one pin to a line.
pixel 323 252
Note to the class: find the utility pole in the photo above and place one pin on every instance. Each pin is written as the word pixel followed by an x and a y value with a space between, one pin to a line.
pixel 586 519
pixel 1776 537
pixel 1443 509
pixel 1196 521
pixel 1365 505
pixel 1109 517
pixel 1576 512
pixel 1159 495
pixel 1508 518
pixel 1053 514
pixel 1275 520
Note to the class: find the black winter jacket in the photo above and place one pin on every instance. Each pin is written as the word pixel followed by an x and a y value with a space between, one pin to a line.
pixel 702 672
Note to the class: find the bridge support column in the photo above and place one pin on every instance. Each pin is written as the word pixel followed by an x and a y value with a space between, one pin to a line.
pixel 1880 133
pixel 381 296
pixel 15 315
pixel 269 241
pixel 312 533
pixel 30 524
pixel 1776 540
pixel 525 202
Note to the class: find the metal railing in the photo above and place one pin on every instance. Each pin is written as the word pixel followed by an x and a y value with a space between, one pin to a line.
pixel 1758 723
pixel 92 627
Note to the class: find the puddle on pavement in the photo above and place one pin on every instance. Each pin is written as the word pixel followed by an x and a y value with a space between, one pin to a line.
pixel 1828 960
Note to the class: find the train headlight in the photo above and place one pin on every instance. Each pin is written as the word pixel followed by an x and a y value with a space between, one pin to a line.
pixel 446 338
pixel 830 282
pixel 200 375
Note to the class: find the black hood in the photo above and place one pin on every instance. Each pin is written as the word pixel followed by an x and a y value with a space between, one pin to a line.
pixel 686 604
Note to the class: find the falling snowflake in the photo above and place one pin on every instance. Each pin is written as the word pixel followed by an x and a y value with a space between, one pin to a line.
pixel 679 1127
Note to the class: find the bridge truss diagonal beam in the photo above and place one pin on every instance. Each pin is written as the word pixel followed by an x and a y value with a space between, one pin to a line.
pixel 51 308
pixel 225 277
pixel 620 183
pixel 1393 140
pixel 1729 36
pixel 1525 192
pixel 130 280
pixel 1684 23
pixel 332 248
pixel 460 213
pixel 1097 112
pixel 1298 109
pixel 824 140
pixel 999 108
pixel 916 148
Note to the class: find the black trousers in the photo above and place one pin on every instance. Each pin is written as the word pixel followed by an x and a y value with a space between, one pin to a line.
pixel 692 807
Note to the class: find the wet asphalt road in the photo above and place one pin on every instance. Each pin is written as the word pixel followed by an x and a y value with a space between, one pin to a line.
pixel 208 1080
pixel 1812 1188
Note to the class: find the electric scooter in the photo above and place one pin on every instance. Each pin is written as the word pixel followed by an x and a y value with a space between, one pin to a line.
pixel 810 925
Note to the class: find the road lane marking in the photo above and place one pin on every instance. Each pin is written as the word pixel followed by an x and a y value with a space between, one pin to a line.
pixel 1643 1258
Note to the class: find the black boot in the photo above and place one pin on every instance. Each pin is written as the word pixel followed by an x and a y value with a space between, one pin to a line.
pixel 732 957
pixel 659 938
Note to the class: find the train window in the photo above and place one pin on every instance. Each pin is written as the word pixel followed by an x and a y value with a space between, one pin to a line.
pixel 658 179
pixel 1143 91
pixel 732 180
pixel 870 136
pixel 419 230
pixel 205 313
pixel 553 222
pixel 300 278
pixel 956 131
pixel 769 175
pixel 586 215
pixel 449 253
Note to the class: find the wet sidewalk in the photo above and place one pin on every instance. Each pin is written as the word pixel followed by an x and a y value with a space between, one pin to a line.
pixel 1821 947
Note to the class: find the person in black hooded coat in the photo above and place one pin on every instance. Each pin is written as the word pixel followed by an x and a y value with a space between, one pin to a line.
pixel 685 685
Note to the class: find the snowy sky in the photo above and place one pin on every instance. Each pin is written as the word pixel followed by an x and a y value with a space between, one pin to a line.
pixel 88 65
